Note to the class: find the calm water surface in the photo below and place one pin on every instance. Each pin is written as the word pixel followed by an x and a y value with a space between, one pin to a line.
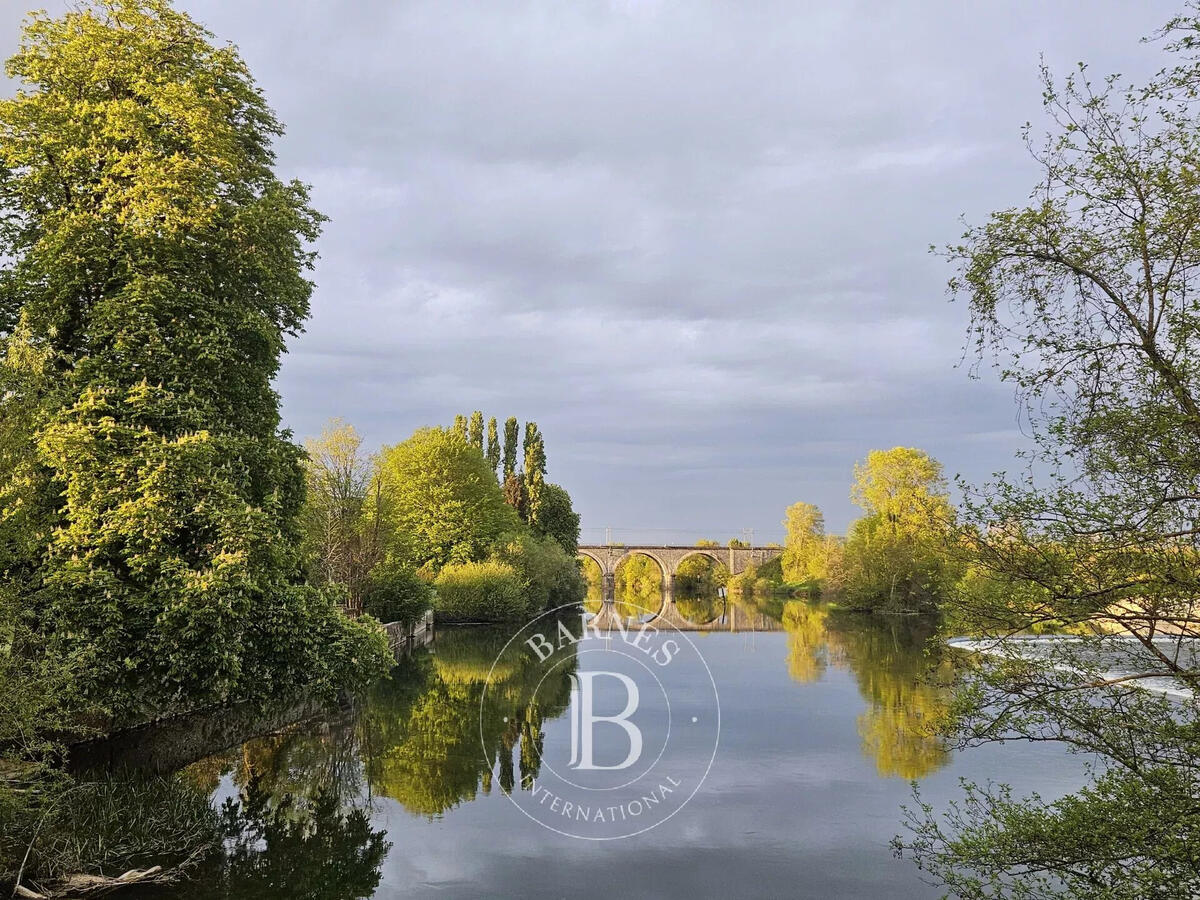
pixel 824 721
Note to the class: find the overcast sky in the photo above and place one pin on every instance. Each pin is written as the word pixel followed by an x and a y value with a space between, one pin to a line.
pixel 689 238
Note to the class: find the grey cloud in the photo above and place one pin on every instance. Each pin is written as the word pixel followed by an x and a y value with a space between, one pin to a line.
pixel 689 238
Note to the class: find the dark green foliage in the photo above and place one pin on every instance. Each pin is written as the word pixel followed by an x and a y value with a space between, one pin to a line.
pixel 274 848
pixel 549 575
pixel 493 445
pixel 397 596
pixel 558 519
pixel 699 576
pixel 262 844
pixel 107 826
pixel 1111 841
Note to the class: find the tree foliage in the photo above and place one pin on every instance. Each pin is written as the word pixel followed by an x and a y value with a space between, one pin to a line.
pixel 534 475
pixel 699 576
pixel 638 585
pixel 549 576
pixel 558 519
pixel 487 591
pixel 493 445
pixel 510 447
pixel 343 512
pixel 807 548
pixel 154 266
pixel 898 557
pixel 1087 296
pixel 444 505
pixel 475 431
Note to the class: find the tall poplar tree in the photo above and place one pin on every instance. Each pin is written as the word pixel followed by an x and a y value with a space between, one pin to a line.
pixel 535 471
pixel 510 447
pixel 493 445
pixel 460 427
pixel 475 431
pixel 153 267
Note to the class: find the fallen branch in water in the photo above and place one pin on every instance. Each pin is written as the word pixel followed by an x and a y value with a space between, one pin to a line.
pixel 90 885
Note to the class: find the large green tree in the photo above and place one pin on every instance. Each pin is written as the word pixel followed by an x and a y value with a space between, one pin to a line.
pixel 807 547
pixel 444 505
pixel 898 556
pixel 535 472
pixel 1089 296
pixel 153 267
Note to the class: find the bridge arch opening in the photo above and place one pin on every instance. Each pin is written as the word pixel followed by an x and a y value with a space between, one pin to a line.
pixel 641 579
pixel 593 574
pixel 699 577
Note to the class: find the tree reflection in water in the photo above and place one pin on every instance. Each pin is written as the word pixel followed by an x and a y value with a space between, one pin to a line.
pixel 905 688
pixel 595 585
pixel 273 847
pixel 300 816
pixel 808 651
pixel 637 586
pixel 700 610
pixel 900 675
pixel 426 753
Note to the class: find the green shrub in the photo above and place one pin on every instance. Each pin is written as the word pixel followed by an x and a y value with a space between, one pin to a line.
pixel 329 653
pixel 489 591
pixel 742 584
pixel 397 596
pixel 549 576
pixel 772 570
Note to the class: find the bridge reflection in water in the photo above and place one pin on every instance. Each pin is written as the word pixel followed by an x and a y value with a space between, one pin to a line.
pixel 726 616
pixel 674 609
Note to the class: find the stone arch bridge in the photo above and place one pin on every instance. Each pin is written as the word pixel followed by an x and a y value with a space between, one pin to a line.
pixel 669 557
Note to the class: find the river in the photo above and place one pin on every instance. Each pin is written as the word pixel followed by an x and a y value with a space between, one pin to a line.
pixel 426 789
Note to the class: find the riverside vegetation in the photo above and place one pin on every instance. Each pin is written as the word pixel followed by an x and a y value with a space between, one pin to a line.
pixel 428 522
pixel 164 545
pixel 150 504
